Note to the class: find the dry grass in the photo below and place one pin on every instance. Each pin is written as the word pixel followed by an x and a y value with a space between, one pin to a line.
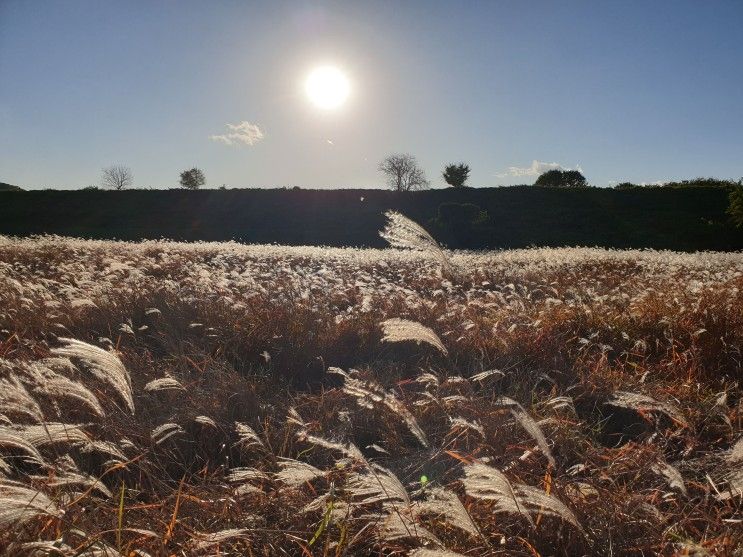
pixel 172 399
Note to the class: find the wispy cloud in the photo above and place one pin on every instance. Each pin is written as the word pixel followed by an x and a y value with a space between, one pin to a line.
pixel 243 133
pixel 536 168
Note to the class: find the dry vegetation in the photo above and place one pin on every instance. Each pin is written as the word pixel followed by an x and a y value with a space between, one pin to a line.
pixel 217 399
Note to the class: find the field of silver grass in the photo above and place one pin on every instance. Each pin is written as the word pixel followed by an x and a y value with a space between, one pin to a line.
pixel 160 398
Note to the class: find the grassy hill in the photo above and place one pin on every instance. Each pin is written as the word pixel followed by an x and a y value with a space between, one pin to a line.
pixel 670 218
pixel 9 187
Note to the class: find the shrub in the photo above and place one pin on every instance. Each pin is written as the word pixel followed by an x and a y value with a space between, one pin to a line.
pixel 735 209
pixel 562 179
pixel 702 183
pixel 456 216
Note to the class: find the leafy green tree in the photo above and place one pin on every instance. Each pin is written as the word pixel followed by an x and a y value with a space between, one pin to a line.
pixel 192 179
pixel 562 179
pixel 456 174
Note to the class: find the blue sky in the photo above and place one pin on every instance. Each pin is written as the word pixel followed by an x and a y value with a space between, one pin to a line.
pixel 640 91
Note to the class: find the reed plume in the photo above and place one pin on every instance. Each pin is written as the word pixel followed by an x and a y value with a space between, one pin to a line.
pixel 401 330
pixel 404 233
pixel 104 365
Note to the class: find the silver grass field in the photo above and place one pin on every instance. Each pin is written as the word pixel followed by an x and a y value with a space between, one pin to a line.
pixel 163 398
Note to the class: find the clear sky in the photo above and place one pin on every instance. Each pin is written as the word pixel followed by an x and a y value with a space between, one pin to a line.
pixel 640 91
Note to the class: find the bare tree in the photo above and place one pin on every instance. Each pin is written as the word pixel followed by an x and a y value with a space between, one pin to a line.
pixel 117 177
pixel 403 173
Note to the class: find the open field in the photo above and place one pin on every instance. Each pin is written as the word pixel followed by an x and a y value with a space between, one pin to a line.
pixel 181 399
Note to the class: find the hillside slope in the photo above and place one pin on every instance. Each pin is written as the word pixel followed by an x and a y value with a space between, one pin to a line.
pixel 672 218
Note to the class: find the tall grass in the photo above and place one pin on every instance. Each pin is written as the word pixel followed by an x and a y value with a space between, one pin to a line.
pixel 159 398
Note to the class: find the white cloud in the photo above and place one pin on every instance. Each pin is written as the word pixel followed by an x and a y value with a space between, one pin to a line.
pixel 536 168
pixel 244 132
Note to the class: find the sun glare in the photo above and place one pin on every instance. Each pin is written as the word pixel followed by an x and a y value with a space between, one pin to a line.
pixel 327 87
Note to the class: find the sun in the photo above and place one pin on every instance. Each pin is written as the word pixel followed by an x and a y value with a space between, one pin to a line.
pixel 327 87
